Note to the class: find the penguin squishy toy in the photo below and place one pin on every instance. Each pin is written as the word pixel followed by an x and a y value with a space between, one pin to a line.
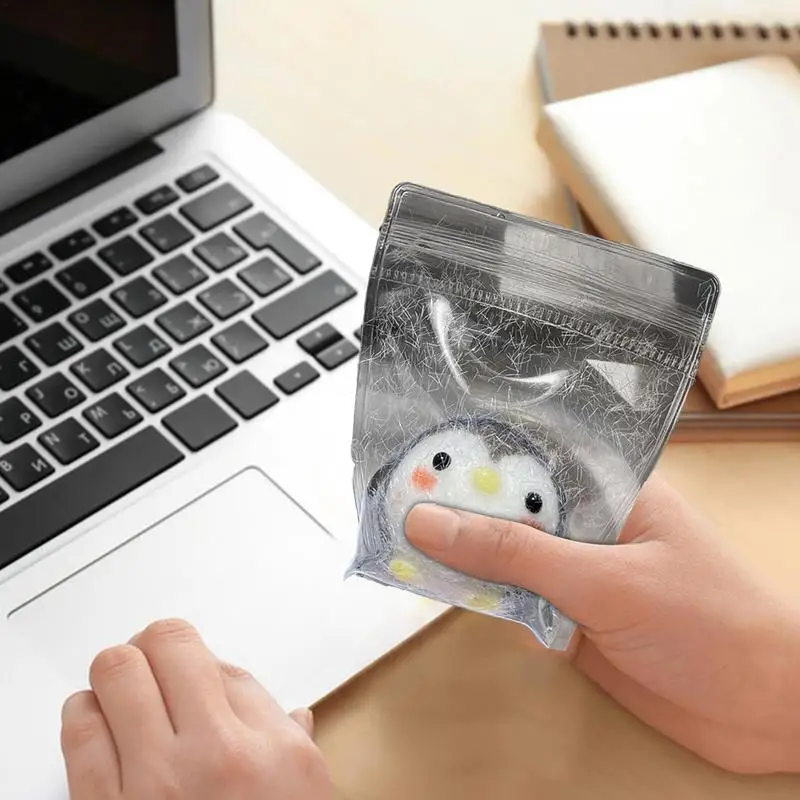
pixel 477 464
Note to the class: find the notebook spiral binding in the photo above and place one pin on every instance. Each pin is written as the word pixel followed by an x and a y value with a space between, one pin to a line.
pixel 671 31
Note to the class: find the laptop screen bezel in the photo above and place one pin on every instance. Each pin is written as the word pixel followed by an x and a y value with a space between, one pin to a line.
pixel 68 153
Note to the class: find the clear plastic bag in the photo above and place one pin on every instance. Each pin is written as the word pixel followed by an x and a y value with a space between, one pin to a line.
pixel 516 369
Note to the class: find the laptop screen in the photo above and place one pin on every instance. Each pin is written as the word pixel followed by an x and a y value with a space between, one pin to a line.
pixel 62 63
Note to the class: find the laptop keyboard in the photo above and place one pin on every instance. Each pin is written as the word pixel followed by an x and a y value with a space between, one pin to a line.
pixel 109 371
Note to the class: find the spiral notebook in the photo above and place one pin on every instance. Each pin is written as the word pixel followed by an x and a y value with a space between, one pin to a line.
pixel 576 59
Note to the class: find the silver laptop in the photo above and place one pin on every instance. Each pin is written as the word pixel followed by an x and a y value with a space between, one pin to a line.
pixel 179 317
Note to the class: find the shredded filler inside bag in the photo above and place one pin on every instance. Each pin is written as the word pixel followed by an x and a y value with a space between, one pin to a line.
pixel 518 370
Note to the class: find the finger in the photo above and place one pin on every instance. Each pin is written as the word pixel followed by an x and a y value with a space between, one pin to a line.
pixel 590 583
pixel 659 509
pixel 250 701
pixel 90 756
pixel 304 717
pixel 726 745
pixel 187 673
pixel 131 702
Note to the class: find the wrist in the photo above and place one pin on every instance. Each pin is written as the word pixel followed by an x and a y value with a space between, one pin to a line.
pixel 781 679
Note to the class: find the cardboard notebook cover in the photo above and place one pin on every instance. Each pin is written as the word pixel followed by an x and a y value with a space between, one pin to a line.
pixel 576 59
pixel 579 59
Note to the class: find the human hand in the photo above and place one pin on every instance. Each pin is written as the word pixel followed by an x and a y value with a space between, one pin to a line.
pixel 166 719
pixel 673 626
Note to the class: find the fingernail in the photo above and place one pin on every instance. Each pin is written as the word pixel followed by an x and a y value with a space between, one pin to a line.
pixel 308 721
pixel 233 671
pixel 432 527
pixel 304 717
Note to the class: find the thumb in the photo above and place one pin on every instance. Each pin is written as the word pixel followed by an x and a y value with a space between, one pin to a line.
pixel 590 583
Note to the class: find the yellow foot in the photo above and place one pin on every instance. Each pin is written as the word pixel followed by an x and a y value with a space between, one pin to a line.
pixel 484 601
pixel 403 570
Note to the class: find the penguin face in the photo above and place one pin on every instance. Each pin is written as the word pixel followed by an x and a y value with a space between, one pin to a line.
pixel 454 467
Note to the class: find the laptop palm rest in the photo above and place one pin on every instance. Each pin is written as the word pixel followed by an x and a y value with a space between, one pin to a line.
pixel 289 613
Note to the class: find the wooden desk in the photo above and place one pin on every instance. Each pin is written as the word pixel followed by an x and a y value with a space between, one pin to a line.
pixel 364 94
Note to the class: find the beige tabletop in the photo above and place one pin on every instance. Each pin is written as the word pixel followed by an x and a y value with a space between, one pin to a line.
pixel 364 94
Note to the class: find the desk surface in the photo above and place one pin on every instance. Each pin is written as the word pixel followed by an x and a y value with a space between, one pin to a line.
pixel 364 94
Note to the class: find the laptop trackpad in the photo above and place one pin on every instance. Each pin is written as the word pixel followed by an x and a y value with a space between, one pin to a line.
pixel 260 580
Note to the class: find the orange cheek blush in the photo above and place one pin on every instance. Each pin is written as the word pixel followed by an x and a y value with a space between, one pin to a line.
pixel 424 479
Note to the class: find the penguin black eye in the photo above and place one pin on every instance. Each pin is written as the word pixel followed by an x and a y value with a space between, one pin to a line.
pixel 533 502
pixel 441 461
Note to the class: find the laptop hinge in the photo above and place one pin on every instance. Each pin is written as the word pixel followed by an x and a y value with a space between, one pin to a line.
pixel 67 190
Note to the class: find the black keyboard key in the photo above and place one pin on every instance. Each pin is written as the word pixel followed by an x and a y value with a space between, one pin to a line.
pixel 72 245
pixel 21 469
pixel 16 419
pixel 183 322
pixel 166 233
pixel 357 334
pixel 215 207
pixel 15 369
pixel 28 268
pixel 3 287
pixel 180 274
pixel 3 497
pixel 156 390
pixel 199 423
pixel 141 346
pixel 83 278
pixel 78 494
pixel 55 395
pixel 112 416
pixel 10 324
pixel 239 342
pixel 53 344
pixel 297 377
pixel 304 304
pixel 99 370
pixel 41 301
pixel 265 277
pixel 154 201
pixel 320 338
pixel 97 320
pixel 337 354
pixel 220 252
pixel 260 232
pixel 117 221
pixel 139 297
pixel 125 256
pixel 246 395
pixel 224 299
pixel 257 230
pixel 197 178
pixel 198 366
pixel 68 441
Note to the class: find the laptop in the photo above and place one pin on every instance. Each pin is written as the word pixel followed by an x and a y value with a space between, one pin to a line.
pixel 179 331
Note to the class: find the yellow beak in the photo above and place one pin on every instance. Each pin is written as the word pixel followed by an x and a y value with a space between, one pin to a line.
pixel 486 480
